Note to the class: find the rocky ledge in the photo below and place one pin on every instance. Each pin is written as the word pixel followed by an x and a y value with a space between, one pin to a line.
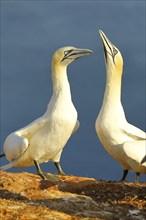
pixel 26 196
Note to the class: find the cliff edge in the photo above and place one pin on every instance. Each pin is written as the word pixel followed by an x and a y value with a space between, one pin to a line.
pixel 26 196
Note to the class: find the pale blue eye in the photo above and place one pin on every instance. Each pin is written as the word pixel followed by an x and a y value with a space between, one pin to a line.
pixel 66 52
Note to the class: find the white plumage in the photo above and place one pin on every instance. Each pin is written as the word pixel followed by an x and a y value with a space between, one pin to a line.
pixel 45 138
pixel 123 141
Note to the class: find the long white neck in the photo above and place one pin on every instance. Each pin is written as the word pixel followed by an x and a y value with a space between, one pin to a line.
pixel 112 95
pixel 60 81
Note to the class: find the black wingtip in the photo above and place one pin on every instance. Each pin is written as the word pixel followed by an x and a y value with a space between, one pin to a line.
pixel 143 160
pixel 2 155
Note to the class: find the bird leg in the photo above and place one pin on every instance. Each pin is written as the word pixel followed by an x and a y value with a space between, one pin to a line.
pixel 45 176
pixel 58 166
pixel 125 172
pixel 39 171
pixel 137 177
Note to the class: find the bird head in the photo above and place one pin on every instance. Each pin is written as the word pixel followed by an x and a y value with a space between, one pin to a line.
pixel 66 55
pixel 113 57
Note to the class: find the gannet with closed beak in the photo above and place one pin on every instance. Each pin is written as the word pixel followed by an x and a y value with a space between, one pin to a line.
pixel 45 138
pixel 123 141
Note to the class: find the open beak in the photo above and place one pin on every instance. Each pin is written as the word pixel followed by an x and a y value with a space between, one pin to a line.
pixel 109 48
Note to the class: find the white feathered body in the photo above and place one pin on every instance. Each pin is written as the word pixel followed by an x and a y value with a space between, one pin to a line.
pixel 44 139
pixel 123 141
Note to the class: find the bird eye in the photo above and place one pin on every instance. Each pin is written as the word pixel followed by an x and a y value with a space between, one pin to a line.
pixel 66 52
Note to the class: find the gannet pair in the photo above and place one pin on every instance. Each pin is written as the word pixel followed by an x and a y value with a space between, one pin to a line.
pixel 123 141
pixel 44 139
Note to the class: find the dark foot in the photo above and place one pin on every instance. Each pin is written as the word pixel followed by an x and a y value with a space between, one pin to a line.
pixel 137 177
pixel 51 177
pixel 39 171
pixel 58 166
pixel 45 176
pixel 125 172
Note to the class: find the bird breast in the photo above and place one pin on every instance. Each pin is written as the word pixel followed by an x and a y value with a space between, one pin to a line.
pixel 110 132
pixel 53 136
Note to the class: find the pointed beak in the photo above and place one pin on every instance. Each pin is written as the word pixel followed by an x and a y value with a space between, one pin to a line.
pixel 107 45
pixel 106 42
pixel 77 53
pixel 109 48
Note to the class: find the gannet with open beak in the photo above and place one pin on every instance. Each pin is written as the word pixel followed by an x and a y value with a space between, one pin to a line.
pixel 45 138
pixel 123 141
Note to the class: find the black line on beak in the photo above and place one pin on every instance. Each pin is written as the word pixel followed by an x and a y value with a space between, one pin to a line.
pixel 113 50
pixel 105 52
pixel 66 54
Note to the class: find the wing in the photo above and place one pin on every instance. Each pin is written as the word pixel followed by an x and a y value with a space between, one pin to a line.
pixel 9 165
pixel 33 127
pixel 134 132
pixel 77 125
pixel 143 160
pixel 17 142
pixel 135 150
pixel 15 146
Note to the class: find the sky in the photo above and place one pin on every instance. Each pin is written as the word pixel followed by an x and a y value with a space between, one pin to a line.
pixel 31 31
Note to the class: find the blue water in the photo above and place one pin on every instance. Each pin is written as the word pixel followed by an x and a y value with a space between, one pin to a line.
pixel 31 31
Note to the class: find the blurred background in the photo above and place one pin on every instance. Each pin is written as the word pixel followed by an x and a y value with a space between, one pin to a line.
pixel 30 33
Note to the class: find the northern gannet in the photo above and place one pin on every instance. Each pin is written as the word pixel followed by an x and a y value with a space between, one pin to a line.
pixel 45 138
pixel 123 141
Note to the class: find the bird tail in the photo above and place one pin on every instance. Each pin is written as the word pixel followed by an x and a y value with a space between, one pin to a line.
pixel 143 160
pixel 2 155
pixel 9 165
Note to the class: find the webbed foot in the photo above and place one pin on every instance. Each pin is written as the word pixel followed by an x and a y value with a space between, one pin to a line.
pixel 45 176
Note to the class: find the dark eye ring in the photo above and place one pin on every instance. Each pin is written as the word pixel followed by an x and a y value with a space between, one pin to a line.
pixel 66 52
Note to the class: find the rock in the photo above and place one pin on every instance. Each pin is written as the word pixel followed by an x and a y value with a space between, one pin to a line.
pixel 26 196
